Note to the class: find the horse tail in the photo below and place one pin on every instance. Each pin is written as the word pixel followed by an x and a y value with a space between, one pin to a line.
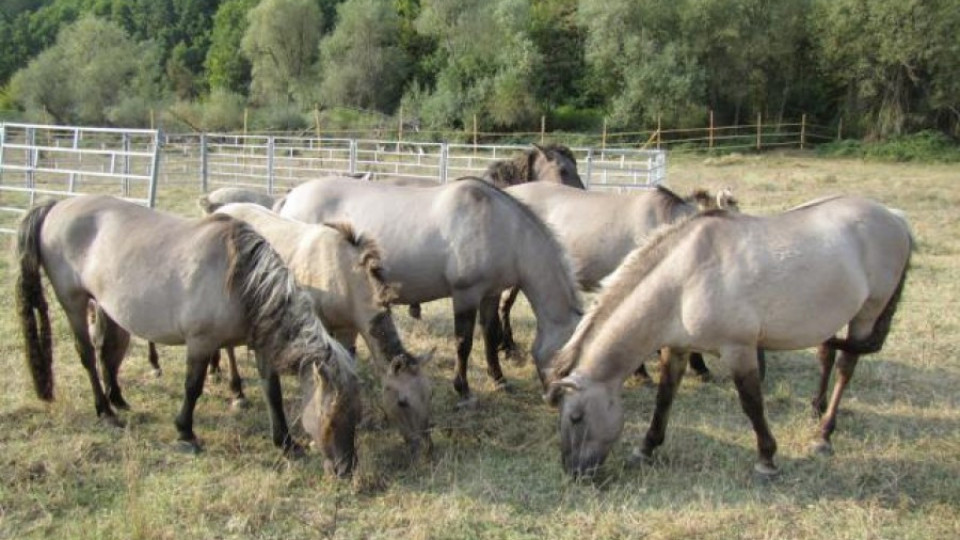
pixel 31 304
pixel 874 342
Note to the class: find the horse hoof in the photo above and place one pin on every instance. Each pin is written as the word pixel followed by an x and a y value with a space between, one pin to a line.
pixel 294 451
pixel 120 404
pixel 187 446
pixel 111 420
pixel 515 356
pixel 239 404
pixel 639 458
pixel 157 373
pixel 822 447
pixel 503 386
pixel 765 471
pixel 705 377
pixel 467 404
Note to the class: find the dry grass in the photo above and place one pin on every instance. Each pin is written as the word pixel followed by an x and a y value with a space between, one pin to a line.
pixel 495 470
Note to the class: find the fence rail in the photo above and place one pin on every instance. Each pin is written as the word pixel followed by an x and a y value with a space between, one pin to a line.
pixel 276 162
pixel 64 161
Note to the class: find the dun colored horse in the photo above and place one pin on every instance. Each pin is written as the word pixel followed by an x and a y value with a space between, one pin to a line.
pixel 204 283
pixel 727 284
pixel 341 271
pixel 466 240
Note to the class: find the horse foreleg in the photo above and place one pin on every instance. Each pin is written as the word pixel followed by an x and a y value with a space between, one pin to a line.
pixel 193 388
pixel 154 358
pixel 463 323
pixel 700 367
pixel 492 337
pixel 270 383
pixel 746 377
pixel 845 368
pixel 236 383
pixel 826 355
pixel 507 344
pixel 672 366
pixel 113 347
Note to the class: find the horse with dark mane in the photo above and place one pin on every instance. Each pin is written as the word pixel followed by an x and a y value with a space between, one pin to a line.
pixel 729 284
pixel 204 283
pixel 552 163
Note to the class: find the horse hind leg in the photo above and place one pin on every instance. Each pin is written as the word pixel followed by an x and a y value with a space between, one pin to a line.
pixel 78 316
pixel 826 356
pixel 113 344
pixel 236 382
pixel 463 324
pixel 507 344
pixel 492 339
pixel 154 359
pixel 197 364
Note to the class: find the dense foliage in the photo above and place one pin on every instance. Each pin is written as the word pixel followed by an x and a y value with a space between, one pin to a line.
pixel 883 68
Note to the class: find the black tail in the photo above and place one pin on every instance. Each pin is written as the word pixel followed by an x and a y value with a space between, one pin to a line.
pixel 874 342
pixel 31 304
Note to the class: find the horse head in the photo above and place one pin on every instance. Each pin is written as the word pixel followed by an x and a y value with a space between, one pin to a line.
pixel 406 399
pixel 331 408
pixel 553 163
pixel 591 419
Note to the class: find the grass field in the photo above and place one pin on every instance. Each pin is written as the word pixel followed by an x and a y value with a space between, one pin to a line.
pixel 495 470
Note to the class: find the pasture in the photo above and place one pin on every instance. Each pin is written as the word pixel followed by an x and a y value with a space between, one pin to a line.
pixel 495 469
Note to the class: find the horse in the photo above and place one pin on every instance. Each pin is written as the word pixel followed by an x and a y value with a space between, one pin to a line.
pixel 341 271
pixel 727 284
pixel 226 195
pixel 204 283
pixel 598 229
pixel 451 241
pixel 552 163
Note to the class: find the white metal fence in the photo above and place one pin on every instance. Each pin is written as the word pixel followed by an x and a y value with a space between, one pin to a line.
pixel 64 161
pixel 275 162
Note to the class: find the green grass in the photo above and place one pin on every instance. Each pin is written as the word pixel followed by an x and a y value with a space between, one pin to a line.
pixel 495 470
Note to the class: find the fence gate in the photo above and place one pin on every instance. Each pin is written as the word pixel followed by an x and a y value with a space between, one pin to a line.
pixel 64 161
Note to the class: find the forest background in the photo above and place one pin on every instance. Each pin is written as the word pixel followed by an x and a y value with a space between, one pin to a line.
pixel 881 69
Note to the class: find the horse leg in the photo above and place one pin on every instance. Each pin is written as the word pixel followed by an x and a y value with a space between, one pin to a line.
pixel 463 323
pixel 827 356
pixel 270 383
pixel 672 366
pixel 77 317
pixel 762 364
pixel 415 311
pixel 845 367
pixel 236 383
pixel 113 348
pixel 641 373
pixel 746 377
pixel 214 369
pixel 698 365
pixel 154 358
pixel 507 344
pixel 193 387
pixel 492 336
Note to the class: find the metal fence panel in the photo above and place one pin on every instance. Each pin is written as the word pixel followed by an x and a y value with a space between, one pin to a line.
pixel 64 161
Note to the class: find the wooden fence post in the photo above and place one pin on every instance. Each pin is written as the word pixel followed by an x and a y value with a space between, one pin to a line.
pixel 840 129
pixel 246 110
pixel 803 129
pixel 543 128
pixel 316 119
pixel 710 130
pixel 759 130
pixel 400 130
pixel 658 130
pixel 474 134
pixel 603 138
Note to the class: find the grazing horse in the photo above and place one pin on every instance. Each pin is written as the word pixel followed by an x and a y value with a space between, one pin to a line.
pixel 204 283
pixel 727 284
pixel 341 271
pixel 598 229
pixel 450 241
pixel 552 163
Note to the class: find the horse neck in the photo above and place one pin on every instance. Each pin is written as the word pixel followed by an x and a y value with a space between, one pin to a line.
pixel 548 283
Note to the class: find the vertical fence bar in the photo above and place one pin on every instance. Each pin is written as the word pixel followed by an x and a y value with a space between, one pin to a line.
pixel 72 179
pixel 31 160
pixel 125 165
pixel 589 172
pixel 204 174
pixel 603 138
pixel 271 146
pixel 3 140
pixel 154 169
pixel 353 156
pixel 444 162
pixel 710 130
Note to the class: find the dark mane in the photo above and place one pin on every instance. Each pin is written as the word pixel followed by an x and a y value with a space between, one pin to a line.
pixel 634 268
pixel 370 260
pixel 519 169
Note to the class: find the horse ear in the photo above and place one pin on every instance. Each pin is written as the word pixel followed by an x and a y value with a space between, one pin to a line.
pixel 556 390
pixel 726 200
pixel 397 364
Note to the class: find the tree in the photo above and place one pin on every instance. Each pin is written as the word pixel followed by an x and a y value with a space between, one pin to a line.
pixel 83 74
pixel 487 62
pixel 227 70
pixel 363 62
pixel 281 43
